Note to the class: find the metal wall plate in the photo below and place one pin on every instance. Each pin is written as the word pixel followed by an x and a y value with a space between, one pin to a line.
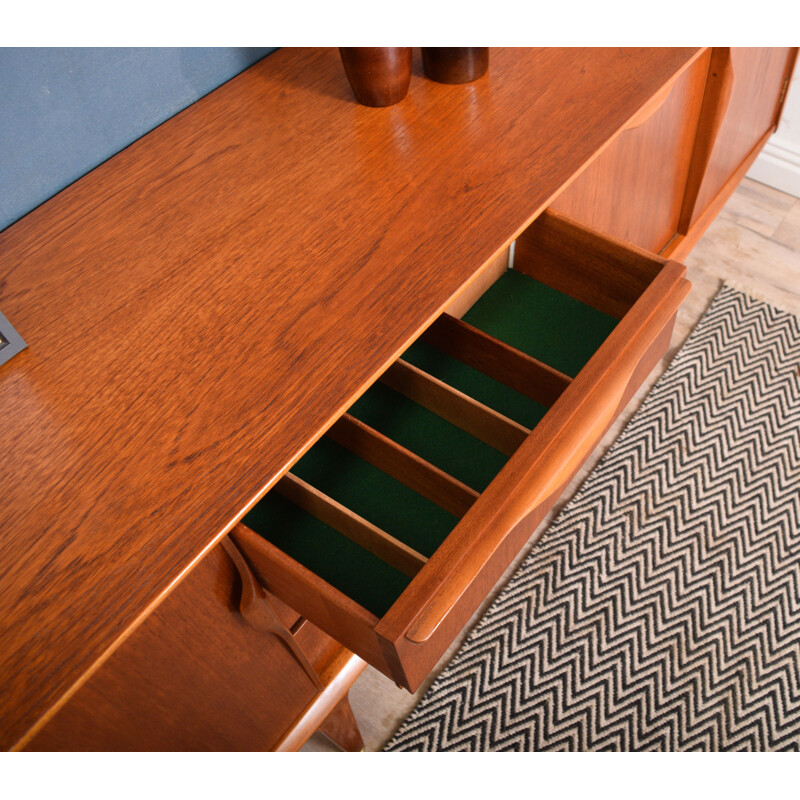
pixel 10 341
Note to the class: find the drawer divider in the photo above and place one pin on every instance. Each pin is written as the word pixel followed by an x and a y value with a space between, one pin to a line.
pixel 403 465
pixel 483 422
pixel 556 448
pixel 349 524
pixel 498 360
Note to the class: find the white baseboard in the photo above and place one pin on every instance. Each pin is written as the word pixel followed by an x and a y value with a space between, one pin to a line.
pixel 778 166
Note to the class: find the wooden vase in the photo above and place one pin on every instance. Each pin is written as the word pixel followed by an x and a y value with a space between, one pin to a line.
pixel 455 64
pixel 379 76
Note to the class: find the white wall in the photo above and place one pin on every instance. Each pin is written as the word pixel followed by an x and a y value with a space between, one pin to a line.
pixel 779 162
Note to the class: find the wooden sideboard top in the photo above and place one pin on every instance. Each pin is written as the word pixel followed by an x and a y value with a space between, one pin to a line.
pixel 199 308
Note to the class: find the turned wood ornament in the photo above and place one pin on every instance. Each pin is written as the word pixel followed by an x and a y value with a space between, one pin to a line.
pixel 379 76
pixel 455 64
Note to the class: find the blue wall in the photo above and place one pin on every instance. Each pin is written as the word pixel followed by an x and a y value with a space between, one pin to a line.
pixel 63 111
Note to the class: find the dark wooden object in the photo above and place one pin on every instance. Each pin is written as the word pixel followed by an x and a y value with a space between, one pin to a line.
pixel 379 76
pixel 455 64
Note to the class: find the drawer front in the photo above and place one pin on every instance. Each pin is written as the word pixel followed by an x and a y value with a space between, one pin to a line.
pixel 519 392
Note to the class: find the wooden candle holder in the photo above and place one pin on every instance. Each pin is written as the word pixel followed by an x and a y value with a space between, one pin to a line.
pixel 379 76
pixel 455 64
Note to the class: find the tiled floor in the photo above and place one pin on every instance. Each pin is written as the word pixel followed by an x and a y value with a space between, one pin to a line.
pixel 755 243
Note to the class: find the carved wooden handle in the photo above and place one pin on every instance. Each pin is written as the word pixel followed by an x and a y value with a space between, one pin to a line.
pixel 586 429
pixel 717 98
pixel 257 610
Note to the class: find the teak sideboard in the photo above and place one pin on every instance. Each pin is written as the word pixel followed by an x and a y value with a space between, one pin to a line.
pixel 292 401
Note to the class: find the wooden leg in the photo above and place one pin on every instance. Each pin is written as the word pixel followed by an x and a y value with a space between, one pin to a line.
pixel 341 728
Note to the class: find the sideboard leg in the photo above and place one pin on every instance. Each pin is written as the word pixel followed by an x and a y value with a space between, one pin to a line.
pixel 341 728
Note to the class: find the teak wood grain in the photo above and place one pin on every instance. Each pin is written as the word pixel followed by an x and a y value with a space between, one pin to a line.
pixel 341 727
pixel 203 305
pixel 604 272
pixel 741 109
pixel 717 97
pixel 743 104
pixel 634 190
pixel 338 615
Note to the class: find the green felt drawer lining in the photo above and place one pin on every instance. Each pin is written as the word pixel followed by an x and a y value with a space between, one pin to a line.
pixel 522 312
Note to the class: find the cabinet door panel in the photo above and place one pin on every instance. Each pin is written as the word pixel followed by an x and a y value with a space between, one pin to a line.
pixel 751 81
pixel 196 676
pixel 634 190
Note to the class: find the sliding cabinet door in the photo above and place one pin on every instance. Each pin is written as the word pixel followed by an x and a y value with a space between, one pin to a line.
pixel 634 189
pixel 746 88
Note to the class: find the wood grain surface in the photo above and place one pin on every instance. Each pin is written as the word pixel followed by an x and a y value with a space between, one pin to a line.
pixel 605 273
pixel 202 306
pixel 469 562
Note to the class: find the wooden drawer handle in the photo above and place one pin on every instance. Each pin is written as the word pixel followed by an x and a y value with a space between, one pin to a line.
pixel 553 471
pixel 717 98
pixel 650 108
pixel 259 613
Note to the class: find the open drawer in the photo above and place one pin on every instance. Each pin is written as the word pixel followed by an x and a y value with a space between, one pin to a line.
pixel 393 528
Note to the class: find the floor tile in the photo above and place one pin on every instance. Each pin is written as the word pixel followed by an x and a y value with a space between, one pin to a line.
pixel 788 232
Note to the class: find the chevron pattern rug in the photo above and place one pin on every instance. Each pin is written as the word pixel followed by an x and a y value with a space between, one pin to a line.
pixel 661 610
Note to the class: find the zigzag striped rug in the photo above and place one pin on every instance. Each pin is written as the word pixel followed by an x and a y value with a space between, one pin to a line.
pixel 661 611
